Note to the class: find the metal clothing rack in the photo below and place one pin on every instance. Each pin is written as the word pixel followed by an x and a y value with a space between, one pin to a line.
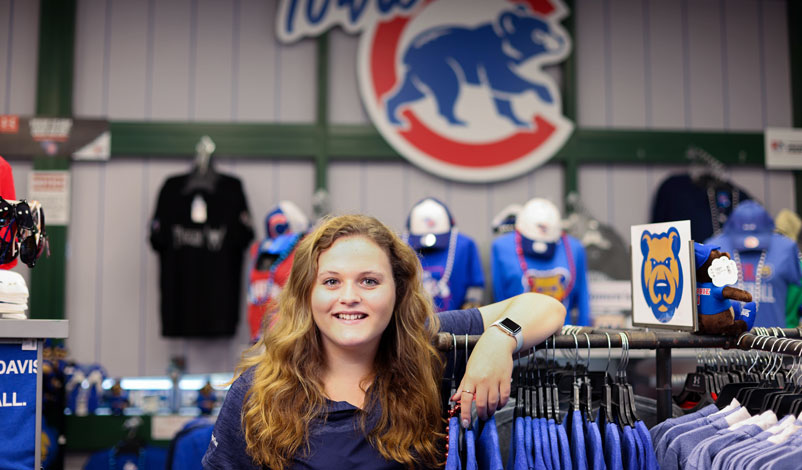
pixel 775 340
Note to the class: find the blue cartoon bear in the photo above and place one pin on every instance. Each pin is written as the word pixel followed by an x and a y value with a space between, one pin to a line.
pixel 442 59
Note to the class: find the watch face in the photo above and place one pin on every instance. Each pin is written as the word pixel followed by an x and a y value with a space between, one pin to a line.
pixel 511 325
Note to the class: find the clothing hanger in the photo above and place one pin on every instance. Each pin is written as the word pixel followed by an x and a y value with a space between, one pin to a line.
pixel 203 175
pixel 783 406
pixel 630 395
pixel 553 398
pixel 454 406
pixel 705 167
pixel 753 397
pixel 587 399
pixel 606 407
pixel 771 400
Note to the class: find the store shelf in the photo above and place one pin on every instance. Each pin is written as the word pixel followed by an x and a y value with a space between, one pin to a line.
pixel 17 329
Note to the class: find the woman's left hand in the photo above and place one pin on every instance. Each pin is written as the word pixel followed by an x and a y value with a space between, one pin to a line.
pixel 487 378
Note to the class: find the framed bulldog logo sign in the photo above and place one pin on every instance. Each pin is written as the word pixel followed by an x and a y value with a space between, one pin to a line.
pixel 663 276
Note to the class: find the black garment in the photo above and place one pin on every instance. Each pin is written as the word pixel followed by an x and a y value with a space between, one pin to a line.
pixel 201 263
pixel 681 197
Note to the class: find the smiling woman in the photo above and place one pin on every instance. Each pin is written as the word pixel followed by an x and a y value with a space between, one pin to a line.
pixel 348 375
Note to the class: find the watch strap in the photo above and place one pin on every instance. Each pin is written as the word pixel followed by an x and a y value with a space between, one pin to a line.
pixel 517 336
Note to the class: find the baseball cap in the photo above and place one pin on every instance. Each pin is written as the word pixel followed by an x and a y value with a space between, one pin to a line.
pixel 749 227
pixel 539 221
pixel 504 221
pixel 429 224
pixel 284 219
pixel 702 252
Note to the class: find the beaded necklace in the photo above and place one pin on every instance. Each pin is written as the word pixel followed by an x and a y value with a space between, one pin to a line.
pixel 715 215
pixel 444 290
pixel 256 299
pixel 758 274
pixel 524 267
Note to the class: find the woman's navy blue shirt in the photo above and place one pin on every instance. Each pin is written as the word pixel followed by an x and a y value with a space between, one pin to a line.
pixel 339 443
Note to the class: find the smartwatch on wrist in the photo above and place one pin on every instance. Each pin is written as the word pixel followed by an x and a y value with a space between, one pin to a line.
pixel 511 329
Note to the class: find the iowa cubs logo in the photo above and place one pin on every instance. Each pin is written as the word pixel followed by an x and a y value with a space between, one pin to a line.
pixel 661 273
pixel 553 282
pixel 455 86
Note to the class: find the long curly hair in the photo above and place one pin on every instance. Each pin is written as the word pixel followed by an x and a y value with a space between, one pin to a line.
pixel 287 392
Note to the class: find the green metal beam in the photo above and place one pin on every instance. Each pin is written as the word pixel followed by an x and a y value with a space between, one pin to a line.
pixel 55 67
pixel 53 99
pixel 170 139
pixel 363 142
pixel 636 147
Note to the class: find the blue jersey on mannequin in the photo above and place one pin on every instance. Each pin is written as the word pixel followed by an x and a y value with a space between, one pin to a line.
pixel 780 268
pixel 466 272
pixel 549 275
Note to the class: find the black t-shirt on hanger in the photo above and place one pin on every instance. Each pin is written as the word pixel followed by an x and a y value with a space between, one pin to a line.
pixel 200 254
pixel 706 201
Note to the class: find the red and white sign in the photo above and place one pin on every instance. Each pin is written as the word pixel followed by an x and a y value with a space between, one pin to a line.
pixel 9 124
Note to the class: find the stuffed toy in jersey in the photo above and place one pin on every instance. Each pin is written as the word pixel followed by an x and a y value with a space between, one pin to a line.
pixel 718 304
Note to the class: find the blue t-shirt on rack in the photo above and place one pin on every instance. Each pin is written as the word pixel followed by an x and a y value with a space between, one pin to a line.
pixel 671 434
pixel 488 452
pixel 554 443
pixel 452 459
pixel 613 452
pixel 595 451
pixel 660 428
pixel 528 438
pixel 517 458
pixel 578 453
pixel 702 456
pixel 565 447
pixel 541 446
pixel 470 450
pixel 650 460
pixel 629 449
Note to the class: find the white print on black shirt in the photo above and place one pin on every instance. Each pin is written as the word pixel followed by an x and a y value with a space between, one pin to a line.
pixel 198 237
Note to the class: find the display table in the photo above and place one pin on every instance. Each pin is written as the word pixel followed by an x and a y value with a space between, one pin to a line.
pixel 21 344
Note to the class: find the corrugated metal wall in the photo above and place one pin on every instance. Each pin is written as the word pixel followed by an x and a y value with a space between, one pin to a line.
pixel 697 65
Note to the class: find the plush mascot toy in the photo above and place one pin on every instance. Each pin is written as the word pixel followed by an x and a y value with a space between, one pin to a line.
pixel 718 304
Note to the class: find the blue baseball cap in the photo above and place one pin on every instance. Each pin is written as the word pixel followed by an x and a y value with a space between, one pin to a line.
pixel 284 219
pixel 749 227
pixel 702 252
pixel 429 224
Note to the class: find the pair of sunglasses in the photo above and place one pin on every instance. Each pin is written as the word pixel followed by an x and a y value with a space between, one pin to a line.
pixel 22 231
